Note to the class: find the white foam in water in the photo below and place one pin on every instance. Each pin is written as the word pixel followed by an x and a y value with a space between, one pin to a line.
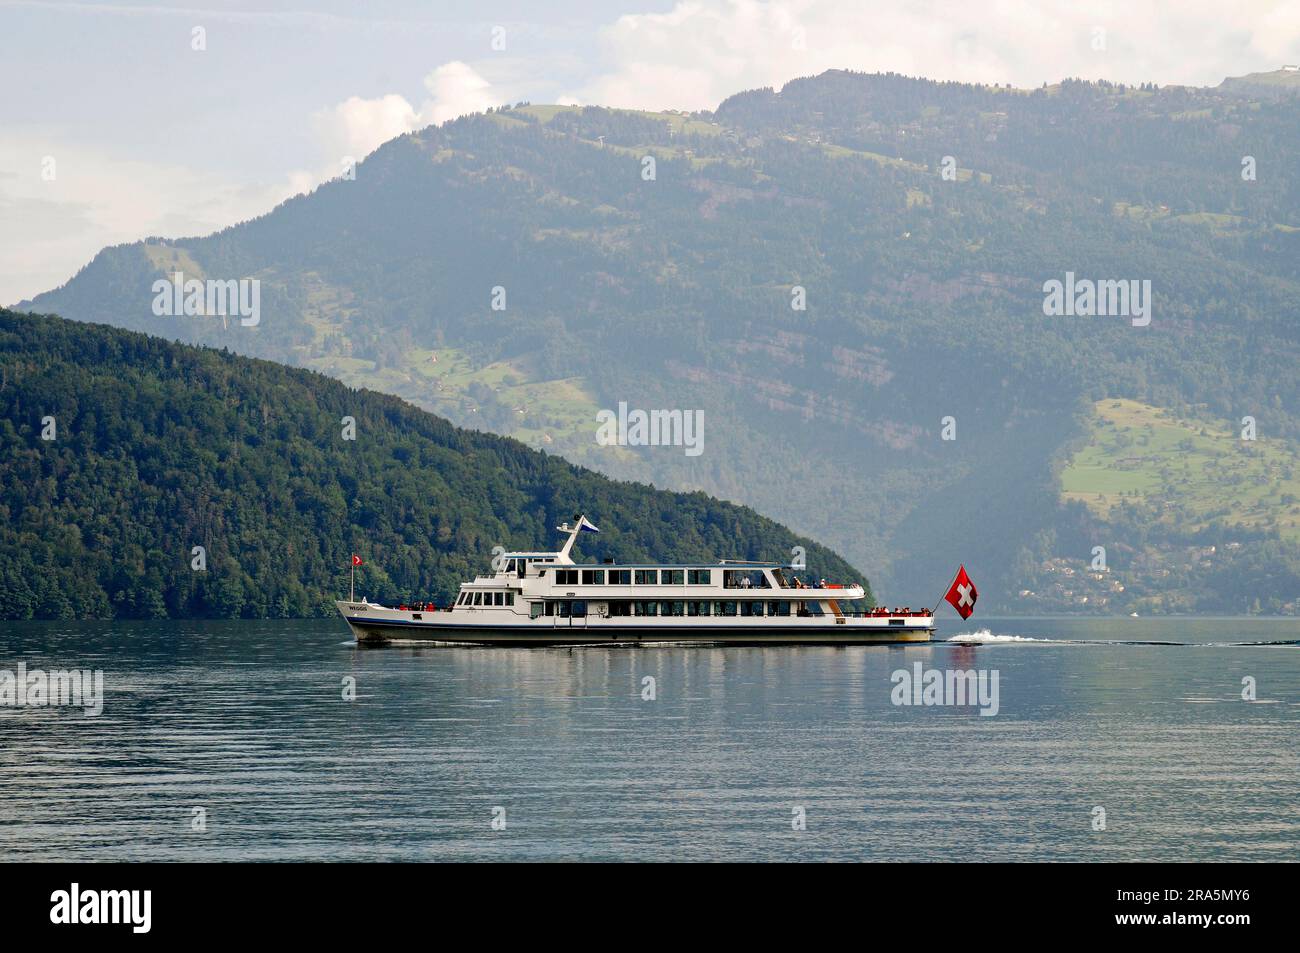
pixel 985 637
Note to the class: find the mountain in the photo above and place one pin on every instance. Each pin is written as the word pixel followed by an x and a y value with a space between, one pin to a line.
pixel 1274 84
pixel 838 276
pixel 155 448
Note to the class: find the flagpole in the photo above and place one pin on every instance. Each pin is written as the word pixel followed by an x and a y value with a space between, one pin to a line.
pixel 944 598
pixel 352 586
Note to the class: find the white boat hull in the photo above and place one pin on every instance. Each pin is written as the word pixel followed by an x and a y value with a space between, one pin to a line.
pixel 371 623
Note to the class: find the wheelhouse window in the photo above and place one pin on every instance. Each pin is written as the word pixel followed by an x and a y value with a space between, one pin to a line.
pixel 647 577
pixel 593 577
pixel 699 577
pixel 478 598
pixel 620 577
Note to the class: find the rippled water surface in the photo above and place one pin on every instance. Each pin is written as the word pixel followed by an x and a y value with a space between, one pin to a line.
pixel 246 720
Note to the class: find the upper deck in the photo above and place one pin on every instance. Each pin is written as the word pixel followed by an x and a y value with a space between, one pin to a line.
pixel 555 575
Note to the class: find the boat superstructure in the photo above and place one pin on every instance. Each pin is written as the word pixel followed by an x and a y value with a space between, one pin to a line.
pixel 545 598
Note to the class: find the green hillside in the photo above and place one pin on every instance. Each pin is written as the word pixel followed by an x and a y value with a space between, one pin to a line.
pixel 1197 472
pixel 924 293
pixel 158 447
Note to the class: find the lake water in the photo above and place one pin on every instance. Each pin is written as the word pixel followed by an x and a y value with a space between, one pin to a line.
pixel 247 722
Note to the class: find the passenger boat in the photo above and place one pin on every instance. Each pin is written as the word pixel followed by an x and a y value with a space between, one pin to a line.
pixel 548 599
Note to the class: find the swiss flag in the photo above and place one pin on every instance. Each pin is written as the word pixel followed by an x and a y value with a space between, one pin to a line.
pixel 962 594
pixel 356 560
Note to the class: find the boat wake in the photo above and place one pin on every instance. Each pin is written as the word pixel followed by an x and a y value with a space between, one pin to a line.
pixel 985 637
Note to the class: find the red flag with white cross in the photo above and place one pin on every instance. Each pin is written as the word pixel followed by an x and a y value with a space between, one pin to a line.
pixel 962 594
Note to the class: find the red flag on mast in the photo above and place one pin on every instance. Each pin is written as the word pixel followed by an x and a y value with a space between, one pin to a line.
pixel 356 560
pixel 962 594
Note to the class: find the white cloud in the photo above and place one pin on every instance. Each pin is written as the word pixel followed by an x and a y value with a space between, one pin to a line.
pixel 356 126
pixel 702 51
pixel 455 89
pixel 50 228
pixel 99 199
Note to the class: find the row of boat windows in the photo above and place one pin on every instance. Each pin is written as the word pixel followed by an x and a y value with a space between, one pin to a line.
pixel 627 607
pixel 628 577
pixel 486 599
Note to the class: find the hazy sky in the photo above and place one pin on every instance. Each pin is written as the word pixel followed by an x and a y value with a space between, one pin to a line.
pixel 114 125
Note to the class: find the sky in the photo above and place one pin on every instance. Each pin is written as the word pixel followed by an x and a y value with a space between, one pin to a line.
pixel 124 120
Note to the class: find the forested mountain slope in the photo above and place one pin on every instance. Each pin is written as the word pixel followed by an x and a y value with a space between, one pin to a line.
pixel 917 221
pixel 156 448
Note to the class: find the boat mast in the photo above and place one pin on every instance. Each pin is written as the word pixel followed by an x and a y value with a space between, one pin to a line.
pixel 580 523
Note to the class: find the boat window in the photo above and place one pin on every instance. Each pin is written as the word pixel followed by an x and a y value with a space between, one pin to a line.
pixel 647 577
pixel 534 610
pixel 751 608
pixel 620 577
pixel 672 608
pixel 562 610
pixel 620 607
pixel 550 608
pixel 647 608
pixel 698 608
pixel 699 577
pixel 724 608
pixel 510 598
pixel 478 598
pixel 593 577
pixel 778 608
pixel 498 598
pixel 522 567
pixel 673 577
pixel 579 609
pixel 510 565
pixel 566 577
